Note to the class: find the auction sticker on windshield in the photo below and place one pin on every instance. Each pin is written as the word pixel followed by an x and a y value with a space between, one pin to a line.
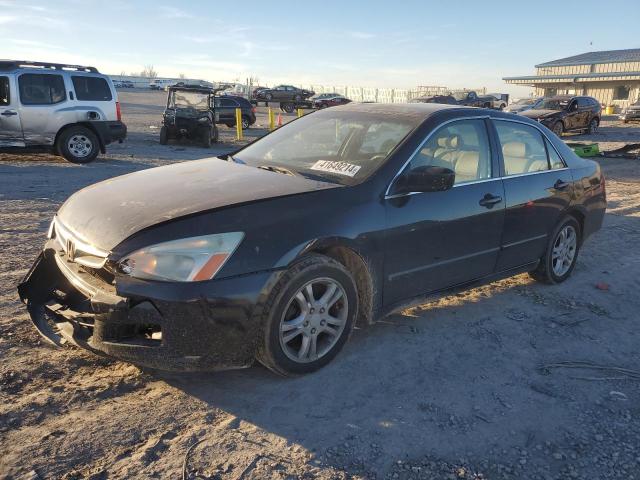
pixel 343 168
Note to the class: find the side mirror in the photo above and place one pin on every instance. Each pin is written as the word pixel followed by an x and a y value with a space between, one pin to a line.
pixel 425 179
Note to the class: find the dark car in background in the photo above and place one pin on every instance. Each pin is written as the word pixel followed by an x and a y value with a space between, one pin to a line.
pixel 444 99
pixel 524 104
pixel 275 251
pixel 632 112
pixel 472 99
pixel 226 106
pixel 284 93
pixel 325 100
pixel 567 113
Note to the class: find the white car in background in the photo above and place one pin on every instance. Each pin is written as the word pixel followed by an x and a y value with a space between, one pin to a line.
pixel 524 104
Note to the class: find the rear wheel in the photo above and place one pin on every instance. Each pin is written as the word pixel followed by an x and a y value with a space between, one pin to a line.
pixel 561 254
pixel 269 97
pixel 593 126
pixel 78 145
pixel 287 107
pixel 308 316
pixel 558 128
pixel 246 123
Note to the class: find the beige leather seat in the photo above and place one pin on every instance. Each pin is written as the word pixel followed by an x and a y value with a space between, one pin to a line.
pixel 515 158
pixel 466 167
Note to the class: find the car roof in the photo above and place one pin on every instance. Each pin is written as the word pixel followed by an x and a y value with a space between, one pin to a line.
pixel 10 65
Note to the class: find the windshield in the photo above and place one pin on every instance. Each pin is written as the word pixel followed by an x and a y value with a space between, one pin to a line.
pixel 337 147
pixel 555 104
pixel 526 101
pixel 195 100
pixel 459 95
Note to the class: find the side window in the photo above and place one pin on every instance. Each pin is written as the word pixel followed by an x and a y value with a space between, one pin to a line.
pixel 5 98
pixel 461 146
pixel 554 159
pixel 41 89
pixel 227 102
pixel 91 88
pixel 584 102
pixel 523 148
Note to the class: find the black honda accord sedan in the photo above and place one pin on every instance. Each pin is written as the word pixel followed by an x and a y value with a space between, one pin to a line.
pixel 275 252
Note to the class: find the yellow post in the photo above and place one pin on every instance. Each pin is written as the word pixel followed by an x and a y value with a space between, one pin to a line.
pixel 300 113
pixel 272 120
pixel 238 124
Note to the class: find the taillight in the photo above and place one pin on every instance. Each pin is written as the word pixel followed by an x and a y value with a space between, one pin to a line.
pixel 118 112
pixel 253 109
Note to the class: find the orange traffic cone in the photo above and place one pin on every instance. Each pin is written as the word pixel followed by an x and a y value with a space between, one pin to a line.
pixel 279 119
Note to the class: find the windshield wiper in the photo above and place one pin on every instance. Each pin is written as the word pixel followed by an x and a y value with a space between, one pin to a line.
pixel 273 168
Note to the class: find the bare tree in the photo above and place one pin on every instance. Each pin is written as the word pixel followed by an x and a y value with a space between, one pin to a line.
pixel 149 72
pixel 123 73
pixel 181 76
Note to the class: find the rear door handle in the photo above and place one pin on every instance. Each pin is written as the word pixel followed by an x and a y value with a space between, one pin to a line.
pixel 560 185
pixel 8 113
pixel 489 200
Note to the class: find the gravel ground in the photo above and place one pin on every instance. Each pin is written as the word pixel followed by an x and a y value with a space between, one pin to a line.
pixel 513 380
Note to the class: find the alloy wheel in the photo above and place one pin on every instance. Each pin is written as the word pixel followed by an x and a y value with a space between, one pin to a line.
pixel 313 320
pixel 564 250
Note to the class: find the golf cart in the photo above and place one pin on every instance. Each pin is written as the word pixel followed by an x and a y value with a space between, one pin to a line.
pixel 191 114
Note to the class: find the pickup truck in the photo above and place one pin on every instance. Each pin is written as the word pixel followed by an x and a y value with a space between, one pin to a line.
pixel 499 100
pixel 472 99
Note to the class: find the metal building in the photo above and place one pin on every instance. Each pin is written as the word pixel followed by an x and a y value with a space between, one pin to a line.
pixel 612 76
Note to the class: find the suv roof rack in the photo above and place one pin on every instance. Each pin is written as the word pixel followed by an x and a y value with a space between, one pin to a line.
pixel 7 65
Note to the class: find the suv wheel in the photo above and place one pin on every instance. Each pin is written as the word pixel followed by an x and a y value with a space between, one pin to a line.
pixel 561 255
pixel 164 135
pixel 78 145
pixel 246 123
pixel 206 137
pixel 558 128
pixel 269 97
pixel 593 126
pixel 308 316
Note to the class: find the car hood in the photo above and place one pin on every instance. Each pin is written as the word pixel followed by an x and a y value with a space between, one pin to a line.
pixel 106 213
pixel 539 113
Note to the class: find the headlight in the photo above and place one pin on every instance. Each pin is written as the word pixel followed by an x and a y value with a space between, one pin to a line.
pixel 186 260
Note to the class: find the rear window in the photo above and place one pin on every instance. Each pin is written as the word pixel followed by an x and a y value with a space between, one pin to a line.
pixel 41 89
pixel 91 88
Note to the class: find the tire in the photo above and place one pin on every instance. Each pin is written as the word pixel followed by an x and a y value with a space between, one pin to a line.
pixel 164 136
pixel 287 107
pixel 269 97
pixel 546 273
pixel 246 123
pixel 593 126
pixel 558 128
pixel 502 106
pixel 215 134
pixel 206 137
pixel 78 145
pixel 287 302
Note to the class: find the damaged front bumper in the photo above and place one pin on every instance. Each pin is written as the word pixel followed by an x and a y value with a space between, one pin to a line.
pixel 164 325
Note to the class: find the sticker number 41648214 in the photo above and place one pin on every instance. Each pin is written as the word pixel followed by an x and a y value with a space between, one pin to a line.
pixel 343 168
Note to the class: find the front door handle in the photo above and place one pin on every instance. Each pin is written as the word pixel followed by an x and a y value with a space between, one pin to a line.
pixel 560 185
pixel 8 113
pixel 489 200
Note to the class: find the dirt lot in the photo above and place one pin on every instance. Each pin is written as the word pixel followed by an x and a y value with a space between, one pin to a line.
pixel 483 384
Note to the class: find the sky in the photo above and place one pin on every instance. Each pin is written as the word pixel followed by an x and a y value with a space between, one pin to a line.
pixel 402 44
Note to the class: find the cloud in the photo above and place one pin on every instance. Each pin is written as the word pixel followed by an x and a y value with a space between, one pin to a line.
pixel 7 19
pixel 361 35
pixel 173 12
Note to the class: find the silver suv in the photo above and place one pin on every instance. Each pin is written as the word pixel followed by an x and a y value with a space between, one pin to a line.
pixel 70 109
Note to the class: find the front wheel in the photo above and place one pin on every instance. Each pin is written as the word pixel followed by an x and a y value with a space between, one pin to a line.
pixel 269 97
pixel 593 126
pixel 78 145
pixel 164 135
pixel 308 316
pixel 561 254
pixel 246 123
pixel 558 129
